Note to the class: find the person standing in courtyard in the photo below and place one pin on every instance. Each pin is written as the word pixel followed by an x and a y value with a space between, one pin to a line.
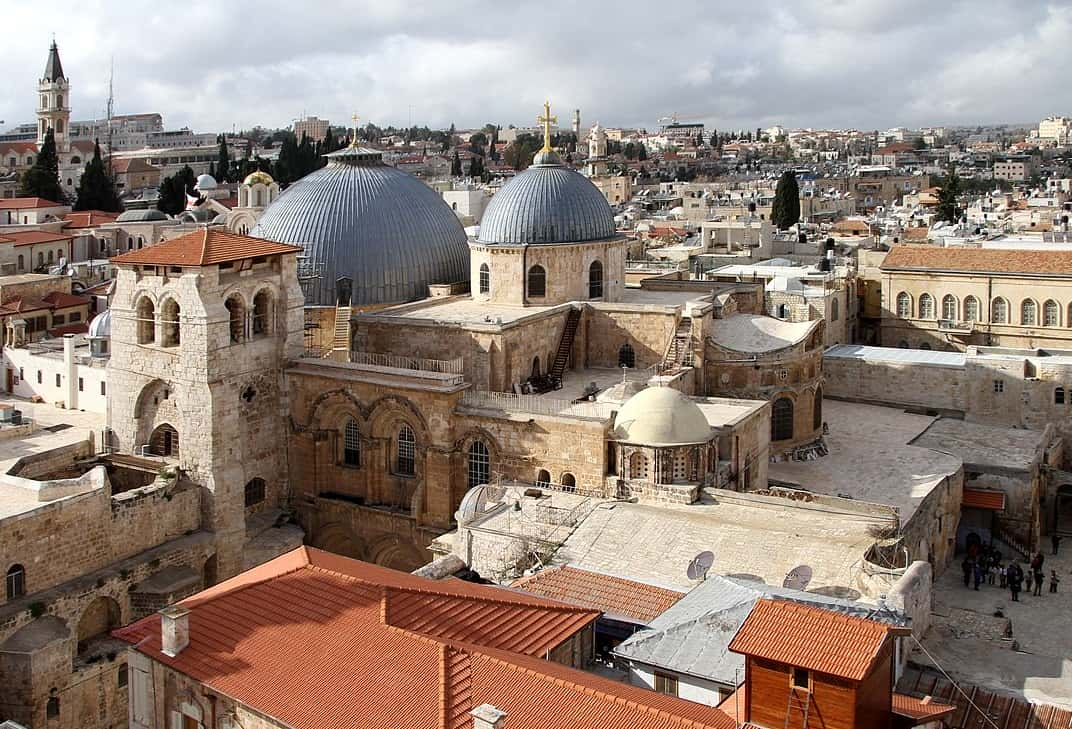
pixel 1013 577
pixel 967 566
pixel 1039 577
pixel 1055 540
pixel 1054 579
pixel 1029 576
pixel 977 574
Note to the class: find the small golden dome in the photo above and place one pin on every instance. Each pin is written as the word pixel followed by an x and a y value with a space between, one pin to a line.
pixel 258 176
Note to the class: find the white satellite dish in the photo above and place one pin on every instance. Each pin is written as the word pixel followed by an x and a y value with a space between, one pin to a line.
pixel 798 578
pixel 699 565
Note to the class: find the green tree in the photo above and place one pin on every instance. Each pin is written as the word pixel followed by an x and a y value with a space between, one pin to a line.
pixel 919 144
pixel 43 179
pixel 223 164
pixel 172 193
pixel 456 165
pixel 641 152
pixel 96 190
pixel 947 198
pixel 476 166
pixel 786 208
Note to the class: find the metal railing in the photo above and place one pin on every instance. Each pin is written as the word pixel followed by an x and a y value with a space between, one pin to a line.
pixel 447 366
pixel 534 404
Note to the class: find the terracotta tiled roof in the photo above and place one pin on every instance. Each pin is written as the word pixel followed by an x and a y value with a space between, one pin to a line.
pixel 79 328
pixel 20 306
pixel 810 637
pixel 916 233
pixel 32 237
pixel 204 247
pixel 319 640
pixel 612 595
pixel 60 300
pixel 89 218
pixel 20 147
pixel 925 709
pixel 983 499
pixel 131 164
pixel 27 203
pixel 979 260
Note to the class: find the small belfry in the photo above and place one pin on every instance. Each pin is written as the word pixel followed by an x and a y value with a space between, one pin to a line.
pixel 53 108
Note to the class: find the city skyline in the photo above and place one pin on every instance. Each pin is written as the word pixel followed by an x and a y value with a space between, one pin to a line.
pixel 815 65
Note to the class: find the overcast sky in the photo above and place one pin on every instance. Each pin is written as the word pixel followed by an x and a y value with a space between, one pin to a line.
pixel 807 63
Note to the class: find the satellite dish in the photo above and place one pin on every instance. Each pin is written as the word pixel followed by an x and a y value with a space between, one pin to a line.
pixel 699 565
pixel 798 578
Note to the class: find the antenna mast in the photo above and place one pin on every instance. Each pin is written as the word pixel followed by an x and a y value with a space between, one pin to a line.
pixel 110 111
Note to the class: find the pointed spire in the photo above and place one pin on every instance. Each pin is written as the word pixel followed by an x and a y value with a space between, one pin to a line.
pixel 53 69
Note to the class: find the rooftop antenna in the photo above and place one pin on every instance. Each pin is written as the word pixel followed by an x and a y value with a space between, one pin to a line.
pixel 110 110
pixel 699 565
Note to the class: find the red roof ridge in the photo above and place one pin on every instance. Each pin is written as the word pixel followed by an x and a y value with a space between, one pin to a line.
pixel 204 247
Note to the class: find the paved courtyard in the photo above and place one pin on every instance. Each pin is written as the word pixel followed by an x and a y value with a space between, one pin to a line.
pixel 966 639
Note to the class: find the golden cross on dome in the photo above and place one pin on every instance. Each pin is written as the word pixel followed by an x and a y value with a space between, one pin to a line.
pixel 547 120
pixel 356 119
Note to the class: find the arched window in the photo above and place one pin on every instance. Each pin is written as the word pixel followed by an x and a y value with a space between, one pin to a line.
pixel 999 311
pixel 537 282
pixel 254 493
pixel 146 313
pixel 834 310
pixel 262 313
pixel 22 263
pixel 1051 314
pixel 76 160
pixel 904 305
pixel 164 441
pixel 595 280
pixel 351 444
pixel 50 258
pixel 569 483
pixel 407 446
pixel 141 242
pixel 479 464
pixel 949 307
pixel 169 322
pixel 40 259
pixel 52 707
pixel 1028 313
pixel 59 254
pixel 59 126
pixel 926 306
pixel 543 477
pixel 638 466
pixel 1059 396
pixel 925 345
pixel 485 278
pixel 15 581
pixel 782 419
pixel 535 367
pixel 236 315
pixel 903 344
pixel 971 308
pixel 626 356
pixel 59 105
pixel 817 410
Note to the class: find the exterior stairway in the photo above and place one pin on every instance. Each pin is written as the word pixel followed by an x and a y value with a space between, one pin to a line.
pixel 341 338
pixel 565 345
pixel 679 354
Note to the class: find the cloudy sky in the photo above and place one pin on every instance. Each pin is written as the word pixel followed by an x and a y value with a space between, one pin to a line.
pixel 807 63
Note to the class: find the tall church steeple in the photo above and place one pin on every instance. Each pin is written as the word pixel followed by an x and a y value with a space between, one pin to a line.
pixel 53 103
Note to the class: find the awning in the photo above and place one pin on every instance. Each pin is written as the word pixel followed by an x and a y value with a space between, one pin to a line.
pixel 983 499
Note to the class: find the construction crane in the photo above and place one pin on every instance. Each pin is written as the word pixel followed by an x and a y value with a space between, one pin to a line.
pixel 674 118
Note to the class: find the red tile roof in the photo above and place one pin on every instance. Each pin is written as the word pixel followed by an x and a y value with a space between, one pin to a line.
pixel 89 218
pixel 293 637
pixel 27 203
pixel 613 595
pixel 920 710
pixel 19 306
pixel 979 260
pixel 983 499
pixel 204 247
pixel 33 237
pixel 810 637
pixel 131 164
pixel 61 300
pixel 21 147
pixel 79 328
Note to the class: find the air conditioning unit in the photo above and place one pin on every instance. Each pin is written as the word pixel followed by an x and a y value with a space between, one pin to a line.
pixel 7 412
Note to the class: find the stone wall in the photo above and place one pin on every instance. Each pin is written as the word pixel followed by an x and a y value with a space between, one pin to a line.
pixel 648 330
pixel 928 387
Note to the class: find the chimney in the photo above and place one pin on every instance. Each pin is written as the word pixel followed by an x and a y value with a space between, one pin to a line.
pixel 487 716
pixel 174 630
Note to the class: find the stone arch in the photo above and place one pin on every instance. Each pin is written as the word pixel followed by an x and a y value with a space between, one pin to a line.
pixel 392 406
pixel 337 538
pixel 145 318
pixel 783 412
pixel 164 441
pixel 170 332
pixel 333 402
pixel 97 620
pixel 395 553
pixel 569 482
pixel 262 322
pixel 235 304
pixel 543 477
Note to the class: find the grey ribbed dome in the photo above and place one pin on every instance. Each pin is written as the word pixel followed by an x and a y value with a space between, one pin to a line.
pixel 141 216
pixel 388 231
pixel 547 203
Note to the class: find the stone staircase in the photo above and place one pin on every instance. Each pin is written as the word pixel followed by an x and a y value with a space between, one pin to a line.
pixel 565 345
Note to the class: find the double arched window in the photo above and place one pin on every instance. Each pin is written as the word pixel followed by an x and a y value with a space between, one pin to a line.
pixel 485 278
pixel 479 464
pixel 146 313
pixel 595 280
pixel 926 306
pixel 236 316
pixel 904 305
pixel 169 321
pixel 782 419
pixel 537 282
pixel 406 447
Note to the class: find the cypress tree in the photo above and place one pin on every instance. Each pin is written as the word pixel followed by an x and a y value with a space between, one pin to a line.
pixel 786 208
pixel 456 165
pixel 96 190
pixel 172 193
pixel 947 198
pixel 43 179
pixel 223 165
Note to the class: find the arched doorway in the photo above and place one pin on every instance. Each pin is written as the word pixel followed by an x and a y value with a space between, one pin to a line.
pixel 1062 518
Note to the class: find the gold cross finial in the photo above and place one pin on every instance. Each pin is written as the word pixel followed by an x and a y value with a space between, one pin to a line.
pixel 356 119
pixel 547 120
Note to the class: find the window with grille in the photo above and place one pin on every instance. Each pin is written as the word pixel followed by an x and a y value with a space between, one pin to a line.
pixel 926 306
pixel 1028 313
pixel 479 464
pixel 351 444
pixel 15 582
pixel 681 466
pixel 537 282
pixel 999 385
pixel 949 307
pixel 407 442
pixel 1050 315
pixel 638 466
pixel 626 356
pixel 971 309
pixel 1000 313
pixel 782 419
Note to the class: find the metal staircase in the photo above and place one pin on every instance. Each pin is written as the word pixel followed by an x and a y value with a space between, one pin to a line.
pixel 679 353
pixel 565 345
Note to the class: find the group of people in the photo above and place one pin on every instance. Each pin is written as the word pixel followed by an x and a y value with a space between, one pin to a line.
pixel 983 566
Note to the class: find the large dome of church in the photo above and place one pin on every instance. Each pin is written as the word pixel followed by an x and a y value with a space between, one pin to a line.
pixel 547 203
pixel 359 218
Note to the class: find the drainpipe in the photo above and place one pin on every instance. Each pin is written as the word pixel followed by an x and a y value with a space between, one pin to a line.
pixel 70 372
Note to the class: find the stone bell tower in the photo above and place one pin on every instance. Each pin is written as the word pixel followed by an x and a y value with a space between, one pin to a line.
pixel 202 328
pixel 54 103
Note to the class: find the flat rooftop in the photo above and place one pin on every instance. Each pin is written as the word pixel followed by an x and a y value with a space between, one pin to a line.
pixel 984 446
pixel 871 458
pixel 460 310
pixel 896 355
